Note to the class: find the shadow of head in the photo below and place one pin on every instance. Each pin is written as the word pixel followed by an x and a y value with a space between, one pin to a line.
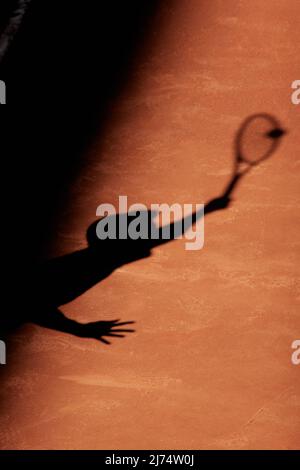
pixel 124 237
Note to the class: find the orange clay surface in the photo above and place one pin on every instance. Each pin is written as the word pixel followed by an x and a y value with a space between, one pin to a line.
pixel 209 365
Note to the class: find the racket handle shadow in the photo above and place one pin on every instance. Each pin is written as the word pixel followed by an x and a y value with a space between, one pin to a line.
pixel 232 185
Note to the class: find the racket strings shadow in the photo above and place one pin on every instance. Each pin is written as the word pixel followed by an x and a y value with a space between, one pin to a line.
pixel 257 139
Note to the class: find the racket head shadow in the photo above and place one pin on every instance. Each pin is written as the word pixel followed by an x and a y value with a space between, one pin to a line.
pixel 257 139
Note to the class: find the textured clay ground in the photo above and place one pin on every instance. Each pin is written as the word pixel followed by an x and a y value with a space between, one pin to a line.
pixel 209 365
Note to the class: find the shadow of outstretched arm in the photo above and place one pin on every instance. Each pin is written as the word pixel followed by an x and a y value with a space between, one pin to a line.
pixel 99 330
pixel 216 204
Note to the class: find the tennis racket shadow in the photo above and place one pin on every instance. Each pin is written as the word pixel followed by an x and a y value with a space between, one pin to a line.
pixel 257 140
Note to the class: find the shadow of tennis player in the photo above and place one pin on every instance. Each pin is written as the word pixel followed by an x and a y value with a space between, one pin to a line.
pixel 63 279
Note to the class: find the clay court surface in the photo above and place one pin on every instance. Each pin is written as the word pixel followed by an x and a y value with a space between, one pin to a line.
pixel 209 365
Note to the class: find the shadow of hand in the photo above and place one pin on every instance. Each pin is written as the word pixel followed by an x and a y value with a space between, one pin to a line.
pixel 99 329
pixel 218 203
